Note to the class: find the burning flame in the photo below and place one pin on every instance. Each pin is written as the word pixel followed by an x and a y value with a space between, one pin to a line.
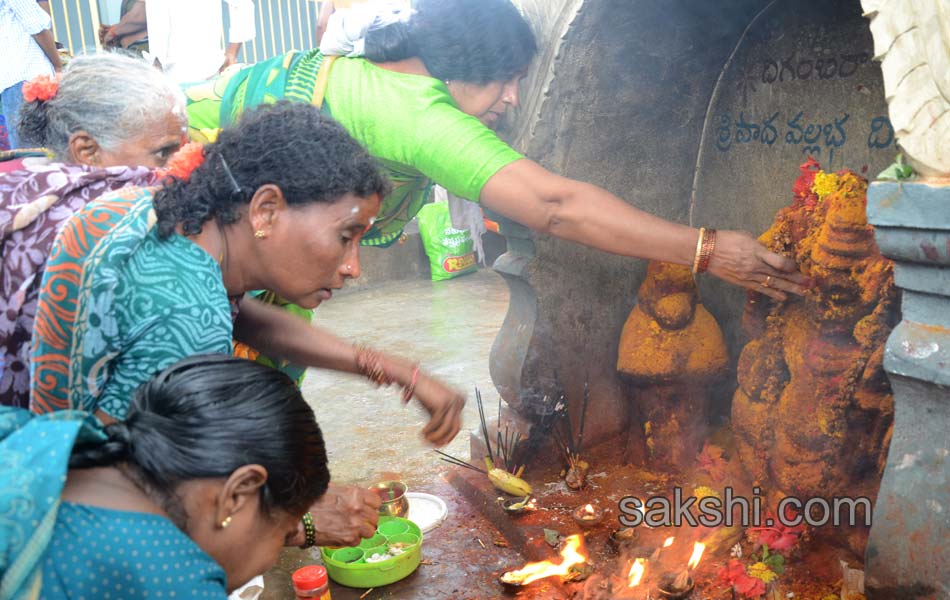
pixel 588 510
pixel 698 549
pixel 668 542
pixel 636 572
pixel 571 555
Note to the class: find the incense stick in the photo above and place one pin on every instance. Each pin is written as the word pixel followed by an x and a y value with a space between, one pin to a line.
pixel 457 461
pixel 580 434
pixel 481 416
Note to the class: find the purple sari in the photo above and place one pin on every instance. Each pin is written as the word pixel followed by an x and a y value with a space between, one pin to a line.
pixel 34 204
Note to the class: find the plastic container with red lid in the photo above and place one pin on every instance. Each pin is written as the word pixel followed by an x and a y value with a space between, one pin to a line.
pixel 311 582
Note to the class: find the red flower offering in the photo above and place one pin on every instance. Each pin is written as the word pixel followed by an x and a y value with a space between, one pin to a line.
pixel 183 163
pixel 42 88
pixel 747 586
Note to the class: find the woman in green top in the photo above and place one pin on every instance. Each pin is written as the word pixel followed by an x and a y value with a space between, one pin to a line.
pixel 422 90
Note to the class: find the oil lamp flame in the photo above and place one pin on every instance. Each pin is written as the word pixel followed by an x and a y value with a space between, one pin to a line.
pixel 668 542
pixel 588 510
pixel 698 549
pixel 636 572
pixel 571 555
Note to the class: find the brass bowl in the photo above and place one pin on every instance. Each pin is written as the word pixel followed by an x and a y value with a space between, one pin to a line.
pixel 393 497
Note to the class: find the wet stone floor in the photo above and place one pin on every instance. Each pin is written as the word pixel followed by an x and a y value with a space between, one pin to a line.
pixel 448 327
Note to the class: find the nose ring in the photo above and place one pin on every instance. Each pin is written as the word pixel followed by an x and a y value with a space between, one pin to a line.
pixel 349 268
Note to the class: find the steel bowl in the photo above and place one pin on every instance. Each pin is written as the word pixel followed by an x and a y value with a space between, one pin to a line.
pixel 393 497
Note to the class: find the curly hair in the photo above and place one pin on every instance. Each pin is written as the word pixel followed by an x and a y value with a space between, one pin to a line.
pixel 310 157
pixel 476 41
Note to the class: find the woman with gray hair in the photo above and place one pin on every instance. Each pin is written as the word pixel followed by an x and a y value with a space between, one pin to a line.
pixel 107 121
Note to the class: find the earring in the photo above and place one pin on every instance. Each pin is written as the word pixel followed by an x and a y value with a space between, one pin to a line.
pixel 259 234
pixel 226 522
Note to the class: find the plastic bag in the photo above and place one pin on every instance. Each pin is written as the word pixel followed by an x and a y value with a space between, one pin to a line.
pixel 451 251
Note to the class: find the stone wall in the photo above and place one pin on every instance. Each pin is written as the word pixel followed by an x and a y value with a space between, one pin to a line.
pixel 690 110
pixel 801 84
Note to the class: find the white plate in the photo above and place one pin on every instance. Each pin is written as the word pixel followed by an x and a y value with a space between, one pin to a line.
pixel 426 511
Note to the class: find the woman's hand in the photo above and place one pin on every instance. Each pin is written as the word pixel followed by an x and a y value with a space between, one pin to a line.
pixel 444 405
pixel 342 517
pixel 740 259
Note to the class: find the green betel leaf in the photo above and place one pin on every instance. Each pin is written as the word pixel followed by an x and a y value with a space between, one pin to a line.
pixel 776 562
pixel 552 537
pixel 897 171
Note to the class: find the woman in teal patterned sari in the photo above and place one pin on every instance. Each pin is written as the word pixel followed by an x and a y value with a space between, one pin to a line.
pixel 144 277
pixel 192 496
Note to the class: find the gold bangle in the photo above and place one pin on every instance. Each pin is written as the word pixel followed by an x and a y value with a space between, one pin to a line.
pixel 699 247
pixel 706 252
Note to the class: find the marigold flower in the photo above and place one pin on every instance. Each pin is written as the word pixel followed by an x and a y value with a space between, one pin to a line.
pixel 825 184
pixel 762 571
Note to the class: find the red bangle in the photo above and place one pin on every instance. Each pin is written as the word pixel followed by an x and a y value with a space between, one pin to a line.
pixel 709 245
pixel 410 390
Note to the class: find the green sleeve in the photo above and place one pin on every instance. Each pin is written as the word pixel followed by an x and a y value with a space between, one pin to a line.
pixel 458 152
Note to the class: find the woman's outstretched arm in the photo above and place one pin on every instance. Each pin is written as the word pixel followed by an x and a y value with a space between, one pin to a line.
pixel 526 192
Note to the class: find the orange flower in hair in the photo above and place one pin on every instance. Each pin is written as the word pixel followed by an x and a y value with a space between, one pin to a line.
pixel 184 162
pixel 42 88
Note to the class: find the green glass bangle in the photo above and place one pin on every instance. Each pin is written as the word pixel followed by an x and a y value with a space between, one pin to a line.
pixel 310 532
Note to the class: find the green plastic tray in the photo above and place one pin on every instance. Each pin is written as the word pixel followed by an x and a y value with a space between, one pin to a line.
pixel 367 575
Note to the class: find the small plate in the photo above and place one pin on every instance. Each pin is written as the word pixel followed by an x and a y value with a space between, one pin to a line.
pixel 426 511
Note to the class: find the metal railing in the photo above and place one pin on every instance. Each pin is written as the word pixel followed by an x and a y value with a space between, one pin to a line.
pixel 282 25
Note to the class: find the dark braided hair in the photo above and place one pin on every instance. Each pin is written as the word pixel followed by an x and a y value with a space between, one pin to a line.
pixel 476 41
pixel 310 157
pixel 206 416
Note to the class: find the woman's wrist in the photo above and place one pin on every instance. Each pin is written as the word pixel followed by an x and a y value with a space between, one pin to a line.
pixel 384 370
pixel 309 530
pixel 705 246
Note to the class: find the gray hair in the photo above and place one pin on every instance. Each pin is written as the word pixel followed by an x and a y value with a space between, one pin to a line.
pixel 113 97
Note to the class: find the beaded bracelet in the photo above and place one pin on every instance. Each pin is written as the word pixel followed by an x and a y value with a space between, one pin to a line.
pixel 705 247
pixel 309 530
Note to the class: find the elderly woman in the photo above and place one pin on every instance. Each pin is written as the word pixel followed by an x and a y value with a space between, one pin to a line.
pixel 193 495
pixel 421 91
pixel 102 138
pixel 164 272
